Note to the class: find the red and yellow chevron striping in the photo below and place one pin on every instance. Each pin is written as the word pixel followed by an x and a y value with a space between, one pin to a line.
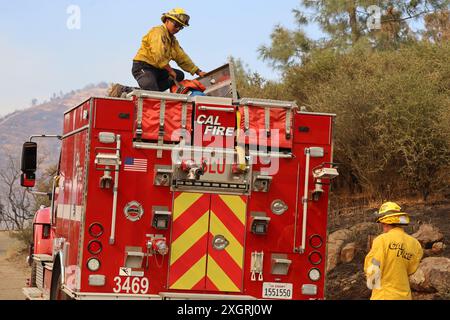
pixel 189 241
pixel 195 264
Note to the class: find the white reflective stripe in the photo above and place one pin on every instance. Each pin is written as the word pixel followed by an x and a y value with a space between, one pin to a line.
pixel 69 212
pixel 373 277
pixel 376 262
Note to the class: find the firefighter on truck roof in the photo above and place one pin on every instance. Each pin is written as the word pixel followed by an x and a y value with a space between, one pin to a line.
pixel 394 256
pixel 151 67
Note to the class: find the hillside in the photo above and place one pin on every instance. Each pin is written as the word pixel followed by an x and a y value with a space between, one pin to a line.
pixel 46 118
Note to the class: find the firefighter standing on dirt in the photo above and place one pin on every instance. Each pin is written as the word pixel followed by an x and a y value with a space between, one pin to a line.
pixel 394 256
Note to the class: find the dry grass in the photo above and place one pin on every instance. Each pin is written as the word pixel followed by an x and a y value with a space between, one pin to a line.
pixel 15 251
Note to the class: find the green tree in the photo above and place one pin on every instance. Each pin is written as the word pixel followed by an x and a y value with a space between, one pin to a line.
pixel 252 84
pixel 393 106
pixel 288 47
pixel 347 23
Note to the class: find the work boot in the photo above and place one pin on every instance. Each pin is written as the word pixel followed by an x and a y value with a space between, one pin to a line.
pixel 115 90
pixel 127 90
pixel 120 91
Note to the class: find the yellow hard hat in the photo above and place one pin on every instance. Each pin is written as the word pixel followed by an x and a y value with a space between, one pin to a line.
pixel 389 207
pixel 390 213
pixel 177 14
pixel 395 218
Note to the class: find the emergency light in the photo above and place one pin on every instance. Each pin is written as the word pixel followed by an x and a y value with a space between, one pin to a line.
pixel 326 173
pixel 260 225
pixel 160 219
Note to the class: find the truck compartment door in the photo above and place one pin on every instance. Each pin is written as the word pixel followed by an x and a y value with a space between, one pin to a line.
pixel 189 246
pixel 226 243
pixel 207 246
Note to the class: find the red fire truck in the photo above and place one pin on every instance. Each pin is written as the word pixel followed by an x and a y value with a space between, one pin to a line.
pixel 177 196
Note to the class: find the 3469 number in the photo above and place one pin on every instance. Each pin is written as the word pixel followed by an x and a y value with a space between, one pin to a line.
pixel 130 284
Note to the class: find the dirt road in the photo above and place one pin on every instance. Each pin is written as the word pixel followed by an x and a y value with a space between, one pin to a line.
pixel 13 269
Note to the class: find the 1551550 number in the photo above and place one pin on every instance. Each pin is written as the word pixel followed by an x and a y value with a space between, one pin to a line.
pixel 277 290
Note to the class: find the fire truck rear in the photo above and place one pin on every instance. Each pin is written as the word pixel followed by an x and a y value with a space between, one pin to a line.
pixel 174 196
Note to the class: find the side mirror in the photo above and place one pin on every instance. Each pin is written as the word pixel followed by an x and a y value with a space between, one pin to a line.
pixel 28 165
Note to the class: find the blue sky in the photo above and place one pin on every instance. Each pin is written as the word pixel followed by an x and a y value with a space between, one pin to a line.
pixel 40 55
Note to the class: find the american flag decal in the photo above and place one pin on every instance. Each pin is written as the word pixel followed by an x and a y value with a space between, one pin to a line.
pixel 135 165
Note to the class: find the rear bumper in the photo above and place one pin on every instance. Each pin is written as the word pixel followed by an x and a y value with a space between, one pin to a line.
pixel 107 296
pixel 160 296
pixel 38 294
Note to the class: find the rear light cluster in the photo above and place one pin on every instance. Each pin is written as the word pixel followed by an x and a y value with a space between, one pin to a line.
pixel 93 264
pixel 315 257
pixel 94 246
pixel 96 230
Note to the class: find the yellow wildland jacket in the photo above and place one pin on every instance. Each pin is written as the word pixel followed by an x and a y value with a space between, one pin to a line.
pixel 159 47
pixel 394 256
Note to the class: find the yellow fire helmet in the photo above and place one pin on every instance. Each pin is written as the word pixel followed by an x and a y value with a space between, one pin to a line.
pixel 389 207
pixel 390 213
pixel 177 14
pixel 401 218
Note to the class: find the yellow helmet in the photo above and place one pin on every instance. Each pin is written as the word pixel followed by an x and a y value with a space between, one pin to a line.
pixel 390 213
pixel 401 218
pixel 389 207
pixel 177 14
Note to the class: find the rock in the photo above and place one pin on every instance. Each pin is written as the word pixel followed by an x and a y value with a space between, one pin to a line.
pixel 336 241
pixel 364 227
pixel 438 248
pixel 339 238
pixel 433 275
pixel 427 235
pixel 423 296
pixel 343 234
pixel 333 254
pixel 348 252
